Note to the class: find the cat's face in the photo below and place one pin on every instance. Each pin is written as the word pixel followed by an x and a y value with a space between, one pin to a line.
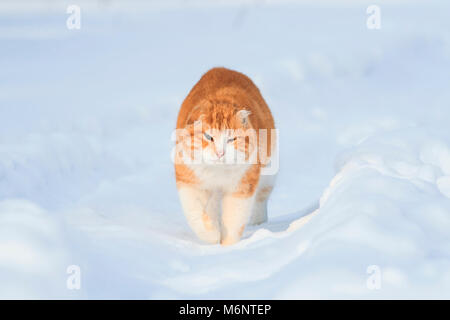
pixel 222 135
pixel 221 146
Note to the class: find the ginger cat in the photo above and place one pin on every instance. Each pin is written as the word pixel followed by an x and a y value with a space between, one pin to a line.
pixel 219 158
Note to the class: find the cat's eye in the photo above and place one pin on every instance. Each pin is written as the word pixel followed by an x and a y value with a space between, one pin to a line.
pixel 208 137
pixel 231 140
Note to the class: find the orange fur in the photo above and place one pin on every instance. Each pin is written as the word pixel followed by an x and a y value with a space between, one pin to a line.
pixel 184 175
pixel 248 183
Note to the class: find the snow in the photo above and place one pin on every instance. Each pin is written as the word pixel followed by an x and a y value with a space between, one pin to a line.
pixel 86 177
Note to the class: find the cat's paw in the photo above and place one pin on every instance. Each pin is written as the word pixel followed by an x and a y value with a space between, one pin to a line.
pixel 232 236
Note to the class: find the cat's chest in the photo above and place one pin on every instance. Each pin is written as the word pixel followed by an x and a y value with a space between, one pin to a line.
pixel 222 177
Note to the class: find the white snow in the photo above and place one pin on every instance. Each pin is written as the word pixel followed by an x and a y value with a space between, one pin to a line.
pixel 86 176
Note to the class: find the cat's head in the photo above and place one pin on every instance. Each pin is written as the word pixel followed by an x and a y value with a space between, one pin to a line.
pixel 222 132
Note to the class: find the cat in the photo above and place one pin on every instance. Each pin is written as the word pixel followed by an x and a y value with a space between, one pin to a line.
pixel 220 120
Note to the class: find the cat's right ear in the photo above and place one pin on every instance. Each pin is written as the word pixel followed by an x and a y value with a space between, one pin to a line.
pixel 243 116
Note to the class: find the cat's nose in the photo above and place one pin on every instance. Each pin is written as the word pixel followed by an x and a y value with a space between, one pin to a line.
pixel 220 154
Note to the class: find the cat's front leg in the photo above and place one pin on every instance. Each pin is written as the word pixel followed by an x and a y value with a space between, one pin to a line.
pixel 201 208
pixel 237 206
pixel 236 212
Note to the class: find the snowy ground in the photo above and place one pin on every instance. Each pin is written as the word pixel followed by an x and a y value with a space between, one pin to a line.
pixel 85 138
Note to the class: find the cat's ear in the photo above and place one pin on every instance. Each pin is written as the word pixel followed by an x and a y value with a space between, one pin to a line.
pixel 243 116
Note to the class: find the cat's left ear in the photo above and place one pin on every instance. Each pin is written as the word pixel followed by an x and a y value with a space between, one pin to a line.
pixel 243 116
